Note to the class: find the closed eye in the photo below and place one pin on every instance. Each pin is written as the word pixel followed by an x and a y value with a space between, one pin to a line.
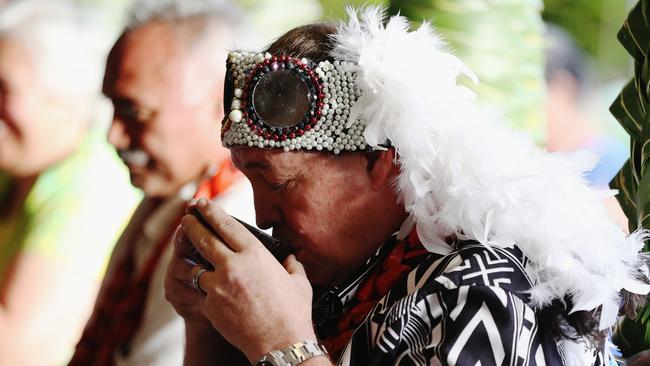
pixel 280 186
pixel 130 111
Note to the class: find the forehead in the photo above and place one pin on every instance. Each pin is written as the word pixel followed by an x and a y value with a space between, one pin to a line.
pixel 274 160
pixel 143 58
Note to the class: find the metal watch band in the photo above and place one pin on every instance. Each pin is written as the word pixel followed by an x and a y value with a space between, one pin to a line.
pixel 293 355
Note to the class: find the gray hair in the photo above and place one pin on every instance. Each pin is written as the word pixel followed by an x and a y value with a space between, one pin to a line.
pixel 66 45
pixel 214 16
pixel 179 10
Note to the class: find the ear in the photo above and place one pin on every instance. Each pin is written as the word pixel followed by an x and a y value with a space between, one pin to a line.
pixel 381 167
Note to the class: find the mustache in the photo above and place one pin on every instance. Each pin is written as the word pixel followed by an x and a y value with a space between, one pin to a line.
pixel 135 157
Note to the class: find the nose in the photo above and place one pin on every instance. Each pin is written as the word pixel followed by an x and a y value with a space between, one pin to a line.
pixel 117 135
pixel 267 211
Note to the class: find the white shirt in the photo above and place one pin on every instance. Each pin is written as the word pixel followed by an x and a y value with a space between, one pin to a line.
pixel 160 340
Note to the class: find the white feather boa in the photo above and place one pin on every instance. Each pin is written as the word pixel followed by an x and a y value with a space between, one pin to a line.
pixel 463 172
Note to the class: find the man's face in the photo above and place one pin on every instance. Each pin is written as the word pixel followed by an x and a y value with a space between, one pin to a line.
pixel 165 140
pixel 30 115
pixel 315 203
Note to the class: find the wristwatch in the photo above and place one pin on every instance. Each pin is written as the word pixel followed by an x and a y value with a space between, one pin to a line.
pixel 293 355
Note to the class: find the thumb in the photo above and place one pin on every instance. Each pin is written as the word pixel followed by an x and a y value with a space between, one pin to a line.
pixel 293 266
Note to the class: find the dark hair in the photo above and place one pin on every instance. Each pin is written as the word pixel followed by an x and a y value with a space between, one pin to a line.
pixel 555 319
pixel 563 55
pixel 311 41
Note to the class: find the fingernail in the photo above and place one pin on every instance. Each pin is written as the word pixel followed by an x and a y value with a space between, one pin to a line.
pixel 202 202
pixel 178 236
pixel 192 202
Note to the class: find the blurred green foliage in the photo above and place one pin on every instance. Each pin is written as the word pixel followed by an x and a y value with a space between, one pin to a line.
pixel 594 25
pixel 335 9
pixel 567 13
pixel 501 41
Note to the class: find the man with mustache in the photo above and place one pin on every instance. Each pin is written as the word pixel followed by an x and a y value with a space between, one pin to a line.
pixel 165 78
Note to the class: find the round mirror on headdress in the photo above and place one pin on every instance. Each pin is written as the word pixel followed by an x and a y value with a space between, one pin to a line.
pixel 281 98
pixel 277 98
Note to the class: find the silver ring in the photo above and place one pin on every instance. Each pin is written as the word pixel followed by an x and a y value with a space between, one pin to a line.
pixel 196 278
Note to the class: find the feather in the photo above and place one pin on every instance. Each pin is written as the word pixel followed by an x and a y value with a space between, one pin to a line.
pixel 575 353
pixel 464 173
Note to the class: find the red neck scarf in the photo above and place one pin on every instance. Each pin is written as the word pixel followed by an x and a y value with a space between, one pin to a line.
pixel 118 314
pixel 401 260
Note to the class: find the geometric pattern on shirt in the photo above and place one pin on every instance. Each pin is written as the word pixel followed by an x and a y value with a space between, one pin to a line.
pixel 466 308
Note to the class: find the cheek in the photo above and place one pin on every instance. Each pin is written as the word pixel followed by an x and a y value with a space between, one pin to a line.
pixel 161 147
pixel 33 132
pixel 16 113
pixel 169 140
pixel 173 157
pixel 311 217
pixel 333 207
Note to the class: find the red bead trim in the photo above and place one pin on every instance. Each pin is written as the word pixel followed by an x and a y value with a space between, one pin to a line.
pixel 292 131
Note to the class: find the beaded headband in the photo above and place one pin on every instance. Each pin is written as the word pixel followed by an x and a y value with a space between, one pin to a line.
pixel 289 103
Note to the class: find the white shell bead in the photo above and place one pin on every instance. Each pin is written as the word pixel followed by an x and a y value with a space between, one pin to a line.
pixel 235 115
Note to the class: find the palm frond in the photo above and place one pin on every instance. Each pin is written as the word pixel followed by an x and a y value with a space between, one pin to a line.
pixel 633 180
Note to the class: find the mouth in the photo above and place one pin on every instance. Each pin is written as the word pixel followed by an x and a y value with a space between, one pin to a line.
pixel 298 252
pixel 286 242
pixel 135 169
pixel 135 159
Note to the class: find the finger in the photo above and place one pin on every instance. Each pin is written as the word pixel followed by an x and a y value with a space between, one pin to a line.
pixel 183 294
pixel 180 269
pixel 205 241
pixel 191 204
pixel 234 234
pixel 293 266
pixel 200 280
pixel 183 247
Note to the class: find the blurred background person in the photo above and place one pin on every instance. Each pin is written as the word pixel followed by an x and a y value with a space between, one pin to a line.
pixel 570 127
pixel 64 194
pixel 165 78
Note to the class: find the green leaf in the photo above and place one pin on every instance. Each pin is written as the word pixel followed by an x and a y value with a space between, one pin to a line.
pixel 633 180
pixel 642 198
pixel 626 194
pixel 629 110
pixel 634 35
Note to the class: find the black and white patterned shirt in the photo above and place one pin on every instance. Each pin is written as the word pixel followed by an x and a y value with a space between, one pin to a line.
pixel 465 308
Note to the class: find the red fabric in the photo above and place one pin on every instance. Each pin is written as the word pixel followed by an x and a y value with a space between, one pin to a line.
pixel 404 257
pixel 118 316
